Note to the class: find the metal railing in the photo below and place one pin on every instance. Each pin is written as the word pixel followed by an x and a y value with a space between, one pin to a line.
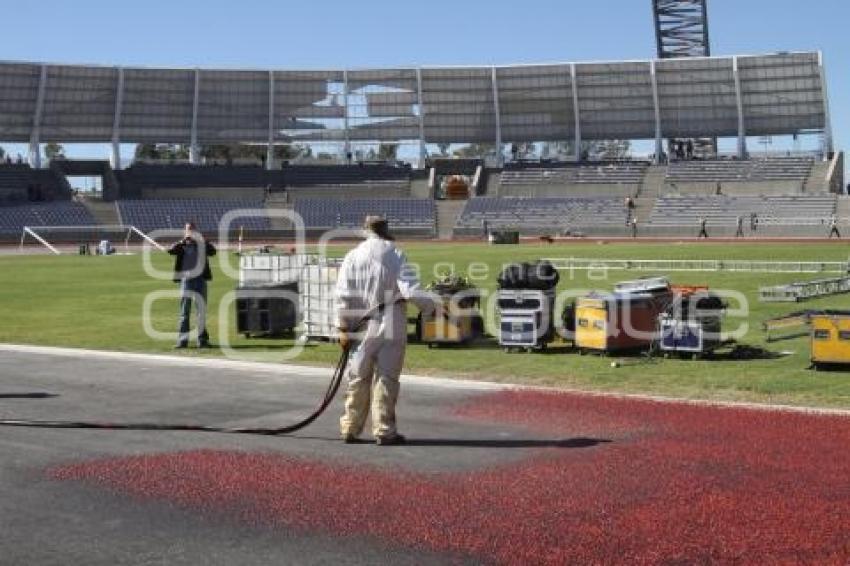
pixel 802 290
pixel 703 265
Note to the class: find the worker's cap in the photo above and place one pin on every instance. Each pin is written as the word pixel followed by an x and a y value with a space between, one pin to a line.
pixel 377 224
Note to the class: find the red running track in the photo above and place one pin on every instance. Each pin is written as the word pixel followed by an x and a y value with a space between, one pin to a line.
pixel 677 483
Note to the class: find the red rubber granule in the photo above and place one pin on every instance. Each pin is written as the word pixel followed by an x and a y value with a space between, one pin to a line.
pixel 676 483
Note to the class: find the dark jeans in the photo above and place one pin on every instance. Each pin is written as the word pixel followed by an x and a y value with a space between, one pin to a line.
pixel 193 289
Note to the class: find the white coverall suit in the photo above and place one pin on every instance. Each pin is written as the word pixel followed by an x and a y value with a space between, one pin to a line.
pixel 372 274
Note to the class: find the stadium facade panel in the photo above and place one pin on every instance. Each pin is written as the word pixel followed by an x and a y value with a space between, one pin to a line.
pixel 739 96
pixel 157 105
pixel 19 85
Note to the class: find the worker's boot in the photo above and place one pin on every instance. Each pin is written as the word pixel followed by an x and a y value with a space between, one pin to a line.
pixel 393 440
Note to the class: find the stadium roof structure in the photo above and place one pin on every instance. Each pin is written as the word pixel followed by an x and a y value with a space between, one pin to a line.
pixel 736 96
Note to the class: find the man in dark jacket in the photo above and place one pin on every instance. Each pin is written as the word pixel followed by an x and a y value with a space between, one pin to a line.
pixel 703 231
pixel 192 271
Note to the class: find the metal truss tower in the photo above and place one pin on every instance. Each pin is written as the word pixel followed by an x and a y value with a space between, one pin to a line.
pixel 681 28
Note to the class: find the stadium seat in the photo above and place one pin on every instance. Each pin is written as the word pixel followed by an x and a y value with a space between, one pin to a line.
pixel 727 171
pixel 797 210
pixel 405 215
pixel 540 213
pixel 157 214
pixel 64 213
pixel 601 173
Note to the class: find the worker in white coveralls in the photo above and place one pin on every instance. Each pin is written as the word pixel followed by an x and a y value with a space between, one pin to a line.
pixel 375 273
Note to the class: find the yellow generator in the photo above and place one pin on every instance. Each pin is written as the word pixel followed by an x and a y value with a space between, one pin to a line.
pixel 830 338
pixel 462 321
pixel 453 328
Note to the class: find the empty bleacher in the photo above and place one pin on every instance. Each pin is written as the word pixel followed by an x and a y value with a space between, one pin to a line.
pixel 537 215
pixel 344 175
pixel 344 181
pixel 790 210
pixel 409 216
pixel 64 213
pixel 136 180
pixel 157 214
pixel 568 179
pixel 775 175
pixel 45 184
pixel 14 175
pixel 312 180
pixel 362 190
pixel 602 173
pixel 13 183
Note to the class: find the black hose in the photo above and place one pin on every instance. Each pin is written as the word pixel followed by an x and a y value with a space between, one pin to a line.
pixel 330 393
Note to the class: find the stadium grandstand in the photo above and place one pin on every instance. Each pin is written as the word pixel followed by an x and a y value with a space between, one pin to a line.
pixel 668 103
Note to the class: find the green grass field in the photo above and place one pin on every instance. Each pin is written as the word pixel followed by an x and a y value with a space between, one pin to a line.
pixel 97 302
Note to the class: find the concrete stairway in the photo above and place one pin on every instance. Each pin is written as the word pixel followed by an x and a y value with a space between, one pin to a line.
pixel 419 188
pixel 643 208
pixel 279 201
pixel 653 182
pixel 494 184
pixel 448 211
pixel 842 208
pixel 104 212
pixel 816 182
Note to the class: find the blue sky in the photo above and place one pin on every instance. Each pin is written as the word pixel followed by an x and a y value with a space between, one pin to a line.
pixel 338 33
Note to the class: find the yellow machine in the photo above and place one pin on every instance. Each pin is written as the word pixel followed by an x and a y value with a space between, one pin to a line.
pixel 454 328
pixel 830 337
pixel 592 324
pixel 462 322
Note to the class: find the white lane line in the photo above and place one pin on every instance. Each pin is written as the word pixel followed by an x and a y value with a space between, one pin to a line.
pixel 236 365
pixel 409 379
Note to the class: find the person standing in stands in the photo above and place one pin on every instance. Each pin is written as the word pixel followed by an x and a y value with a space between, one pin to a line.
pixel 703 232
pixel 833 227
pixel 192 272
pixel 739 232
pixel 634 226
